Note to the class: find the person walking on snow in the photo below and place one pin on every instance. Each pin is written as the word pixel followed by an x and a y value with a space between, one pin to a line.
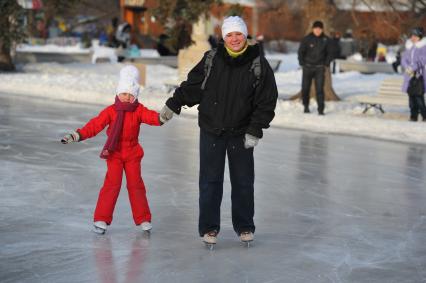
pixel 235 90
pixel 122 150
pixel 414 63
pixel 315 54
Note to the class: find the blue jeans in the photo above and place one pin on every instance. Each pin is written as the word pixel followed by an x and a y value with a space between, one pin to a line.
pixel 213 150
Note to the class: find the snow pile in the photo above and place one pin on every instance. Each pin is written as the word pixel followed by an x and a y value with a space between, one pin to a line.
pixel 87 83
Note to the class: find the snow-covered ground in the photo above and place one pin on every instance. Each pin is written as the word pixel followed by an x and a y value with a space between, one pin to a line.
pixel 87 83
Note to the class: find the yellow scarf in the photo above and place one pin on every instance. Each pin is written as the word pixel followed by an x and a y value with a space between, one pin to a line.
pixel 234 54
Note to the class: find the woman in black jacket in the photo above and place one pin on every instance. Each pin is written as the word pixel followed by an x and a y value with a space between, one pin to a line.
pixel 235 89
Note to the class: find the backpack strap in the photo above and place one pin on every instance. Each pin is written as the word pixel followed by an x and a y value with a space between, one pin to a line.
pixel 256 68
pixel 208 64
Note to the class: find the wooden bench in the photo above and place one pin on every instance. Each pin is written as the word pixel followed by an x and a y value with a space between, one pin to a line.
pixel 389 93
pixel 365 67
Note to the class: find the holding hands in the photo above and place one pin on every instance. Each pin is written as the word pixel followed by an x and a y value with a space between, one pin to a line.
pixel 166 114
pixel 72 137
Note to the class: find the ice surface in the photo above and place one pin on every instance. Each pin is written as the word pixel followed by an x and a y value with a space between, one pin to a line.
pixel 328 208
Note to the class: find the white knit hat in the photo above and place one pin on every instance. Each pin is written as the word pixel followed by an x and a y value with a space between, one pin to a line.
pixel 129 81
pixel 234 23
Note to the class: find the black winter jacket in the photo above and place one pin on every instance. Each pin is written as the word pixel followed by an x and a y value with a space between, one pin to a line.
pixel 230 104
pixel 315 51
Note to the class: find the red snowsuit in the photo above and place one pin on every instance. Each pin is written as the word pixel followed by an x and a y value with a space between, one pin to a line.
pixel 127 156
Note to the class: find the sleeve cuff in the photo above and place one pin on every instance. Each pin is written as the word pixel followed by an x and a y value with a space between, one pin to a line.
pixel 255 131
pixel 80 136
pixel 173 105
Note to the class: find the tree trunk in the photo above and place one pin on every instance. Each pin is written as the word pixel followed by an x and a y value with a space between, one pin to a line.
pixel 329 93
pixel 6 63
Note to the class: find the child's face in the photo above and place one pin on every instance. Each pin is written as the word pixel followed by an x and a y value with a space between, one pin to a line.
pixel 126 97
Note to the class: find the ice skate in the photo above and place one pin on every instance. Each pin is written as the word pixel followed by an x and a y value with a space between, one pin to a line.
pixel 247 238
pixel 146 227
pixel 210 239
pixel 99 227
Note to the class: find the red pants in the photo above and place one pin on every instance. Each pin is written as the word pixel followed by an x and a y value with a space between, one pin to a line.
pixel 111 188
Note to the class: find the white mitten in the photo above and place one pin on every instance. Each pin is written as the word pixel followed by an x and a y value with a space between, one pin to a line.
pixel 250 141
pixel 72 137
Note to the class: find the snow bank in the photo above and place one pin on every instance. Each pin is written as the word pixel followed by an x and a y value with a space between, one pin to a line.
pixel 87 83
pixel 52 48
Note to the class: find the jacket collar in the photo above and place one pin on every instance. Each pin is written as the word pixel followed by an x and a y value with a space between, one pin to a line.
pixel 252 52
pixel 314 36
pixel 409 44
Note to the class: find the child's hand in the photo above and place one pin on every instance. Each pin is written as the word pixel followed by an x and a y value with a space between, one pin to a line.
pixel 72 137
pixel 165 114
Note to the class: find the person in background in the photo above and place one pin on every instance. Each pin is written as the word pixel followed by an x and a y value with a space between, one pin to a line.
pixel 111 33
pixel 315 54
pixel 414 63
pixel 347 45
pixel 336 49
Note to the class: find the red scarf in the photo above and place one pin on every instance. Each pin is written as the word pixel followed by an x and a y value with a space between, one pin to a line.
pixel 114 135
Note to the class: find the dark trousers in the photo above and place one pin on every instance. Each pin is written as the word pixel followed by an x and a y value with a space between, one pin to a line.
pixel 417 104
pixel 310 73
pixel 213 150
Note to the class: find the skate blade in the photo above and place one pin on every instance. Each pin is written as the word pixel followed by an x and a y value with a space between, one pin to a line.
pixel 98 230
pixel 210 246
pixel 247 244
pixel 146 234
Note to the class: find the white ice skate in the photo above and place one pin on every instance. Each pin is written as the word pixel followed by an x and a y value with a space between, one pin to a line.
pixel 210 239
pixel 146 227
pixel 99 227
pixel 247 238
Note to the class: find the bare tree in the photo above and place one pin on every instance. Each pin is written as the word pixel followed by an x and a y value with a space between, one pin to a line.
pixel 11 31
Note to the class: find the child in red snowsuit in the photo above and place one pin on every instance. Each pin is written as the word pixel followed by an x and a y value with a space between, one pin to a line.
pixel 121 151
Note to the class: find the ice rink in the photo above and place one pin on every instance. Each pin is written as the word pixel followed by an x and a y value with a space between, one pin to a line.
pixel 328 208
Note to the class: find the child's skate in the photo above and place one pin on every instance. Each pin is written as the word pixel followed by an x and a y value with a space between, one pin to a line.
pixel 210 239
pixel 99 227
pixel 247 238
pixel 146 227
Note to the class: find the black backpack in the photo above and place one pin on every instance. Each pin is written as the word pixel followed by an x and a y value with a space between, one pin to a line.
pixel 416 85
pixel 256 68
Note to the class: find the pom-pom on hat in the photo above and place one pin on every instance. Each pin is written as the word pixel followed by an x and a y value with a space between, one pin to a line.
pixel 234 23
pixel 129 81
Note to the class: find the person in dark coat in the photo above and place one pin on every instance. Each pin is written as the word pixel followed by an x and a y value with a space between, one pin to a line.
pixel 315 54
pixel 335 46
pixel 234 106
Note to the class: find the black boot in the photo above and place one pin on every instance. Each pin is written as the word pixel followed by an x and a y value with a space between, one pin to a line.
pixel 306 110
pixel 321 113
pixel 413 119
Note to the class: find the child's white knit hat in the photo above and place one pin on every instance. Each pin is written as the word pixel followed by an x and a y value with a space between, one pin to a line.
pixel 129 81
pixel 234 23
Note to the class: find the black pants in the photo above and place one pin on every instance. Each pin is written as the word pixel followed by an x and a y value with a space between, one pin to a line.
pixel 417 104
pixel 213 150
pixel 310 73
